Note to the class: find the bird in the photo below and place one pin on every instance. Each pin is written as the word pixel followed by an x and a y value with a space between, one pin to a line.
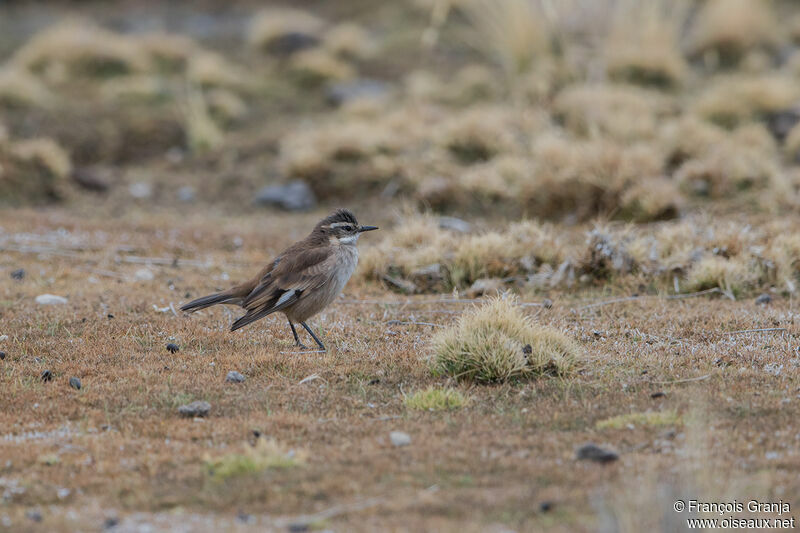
pixel 301 281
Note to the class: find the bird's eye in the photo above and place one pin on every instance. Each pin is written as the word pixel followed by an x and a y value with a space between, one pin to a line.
pixel 348 228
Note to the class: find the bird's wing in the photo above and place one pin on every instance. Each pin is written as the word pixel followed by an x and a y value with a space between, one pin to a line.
pixel 293 273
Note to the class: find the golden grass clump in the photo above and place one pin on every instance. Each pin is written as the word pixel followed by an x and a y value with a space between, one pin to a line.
pixel 651 198
pixel 266 454
pixel 316 66
pixel 79 47
pixel 436 399
pixel 784 250
pixel 349 40
pixel 734 276
pixel 513 33
pixel 643 44
pixel 724 30
pixel 274 28
pixel 731 100
pixel 746 159
pixel 498 181
pixel 202 132
pixel 33 170
pixel 20 88
pixel 210 69
pixel 479 133
pixel 497 342
pixel 622 112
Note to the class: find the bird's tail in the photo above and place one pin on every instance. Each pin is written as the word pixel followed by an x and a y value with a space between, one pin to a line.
pixel 224 297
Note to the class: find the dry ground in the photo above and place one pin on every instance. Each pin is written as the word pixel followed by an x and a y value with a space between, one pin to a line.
pixel 118 449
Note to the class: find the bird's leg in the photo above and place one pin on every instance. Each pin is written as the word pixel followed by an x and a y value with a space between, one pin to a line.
pixel 296 338
pixel 319 342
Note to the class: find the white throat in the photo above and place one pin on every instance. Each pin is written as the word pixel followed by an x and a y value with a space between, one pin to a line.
pixel 350 239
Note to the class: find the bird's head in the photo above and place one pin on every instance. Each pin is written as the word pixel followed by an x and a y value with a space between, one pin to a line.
pixel 342 226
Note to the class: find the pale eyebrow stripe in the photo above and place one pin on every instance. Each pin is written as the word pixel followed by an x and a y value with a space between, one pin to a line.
pixel 339 224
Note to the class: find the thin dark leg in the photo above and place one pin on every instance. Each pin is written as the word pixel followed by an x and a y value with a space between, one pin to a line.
pixel 296 338
pixel 319 342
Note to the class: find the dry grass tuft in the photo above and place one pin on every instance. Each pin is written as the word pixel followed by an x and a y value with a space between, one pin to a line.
pixel 33 170
pixel 643 45
pixel 497 342
pixel 435 399
pixel 20 88
pixel 349 40
pixel 312 68
pixel 732 100
pixel 724 30
pixel 275 29
pixel 266 454
pixel 734 276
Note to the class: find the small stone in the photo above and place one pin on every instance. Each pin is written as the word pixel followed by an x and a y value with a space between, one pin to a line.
pixel 110 316
pixel 293 196
pixel 374 381
pixel 399 438
pixel 172 348
pixel 299 527
pixel 290 42
pixel 110 522
pixel 659 394
pixel 195 409
pixel 527 349
pixel 365 89
pixel 144 274
pixel 34 514
pixel 764 299
pixel 140 190
pixel 547 303
pixel 454 224
pixel 47 376
pixel 592 452
pixel 546 506
pixel 186 194
pixel 91 178
pixel 18 274
pixel 50 299
pixel 75 383
pixel 234 377
pixel 2 355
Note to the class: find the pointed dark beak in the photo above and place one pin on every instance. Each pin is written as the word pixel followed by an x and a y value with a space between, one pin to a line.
pixel 367 228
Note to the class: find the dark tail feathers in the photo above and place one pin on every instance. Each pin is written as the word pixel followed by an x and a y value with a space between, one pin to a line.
pixel 224 297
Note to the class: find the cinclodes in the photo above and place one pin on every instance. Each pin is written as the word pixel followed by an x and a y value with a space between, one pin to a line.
pixel 301 281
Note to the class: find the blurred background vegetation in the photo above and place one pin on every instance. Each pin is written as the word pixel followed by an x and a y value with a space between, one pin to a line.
pixel 567 112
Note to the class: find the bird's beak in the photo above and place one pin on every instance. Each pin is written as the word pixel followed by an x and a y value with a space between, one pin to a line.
pixel 367 228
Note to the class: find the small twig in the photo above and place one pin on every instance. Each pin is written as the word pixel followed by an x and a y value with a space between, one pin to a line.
pixel 687 380
pixel 737 332
pixel 693 294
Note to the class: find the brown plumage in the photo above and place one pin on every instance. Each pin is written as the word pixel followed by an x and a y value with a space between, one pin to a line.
pixel 303 280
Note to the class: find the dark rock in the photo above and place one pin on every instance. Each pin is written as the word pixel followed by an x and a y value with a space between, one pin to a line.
pixel 546 506
pixel 234 377
pixel 299 527
pixel 659 394
pixel 198 408
pixel 110 316
pixel 780 123
pixel 592 452
pixel 172 348
pixel 243 517
pixel 47 376
pixel 764 299
pixel 293 196
pixel 547 303
pixel 34 514
pixel 91 179
pixel 291 42
pixel 18 274
pixel 348 91
pixel 75 383
pixel 110 522
pixel 527 349
pixel 2 355
pixel 374 381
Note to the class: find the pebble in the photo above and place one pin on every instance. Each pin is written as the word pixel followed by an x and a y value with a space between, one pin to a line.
pixel 50 299
pixel 18 274
pixel 234 377
pixel 34 515
pixel 186 194
pixel 593 452
pixel 293 196
pixel 144 274
pixel 764 299
pixel 399 438
pixel 172 348
pixel 194 409
pixel 2 355
pixel 47 376
pixel 140 190
pixel 658 394
pixel 75 383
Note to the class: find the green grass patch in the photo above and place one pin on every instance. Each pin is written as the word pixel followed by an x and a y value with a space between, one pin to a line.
pixel 433 399
pixel 266 454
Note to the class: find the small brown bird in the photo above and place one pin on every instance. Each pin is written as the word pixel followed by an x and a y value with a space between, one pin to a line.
pixel 302 281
